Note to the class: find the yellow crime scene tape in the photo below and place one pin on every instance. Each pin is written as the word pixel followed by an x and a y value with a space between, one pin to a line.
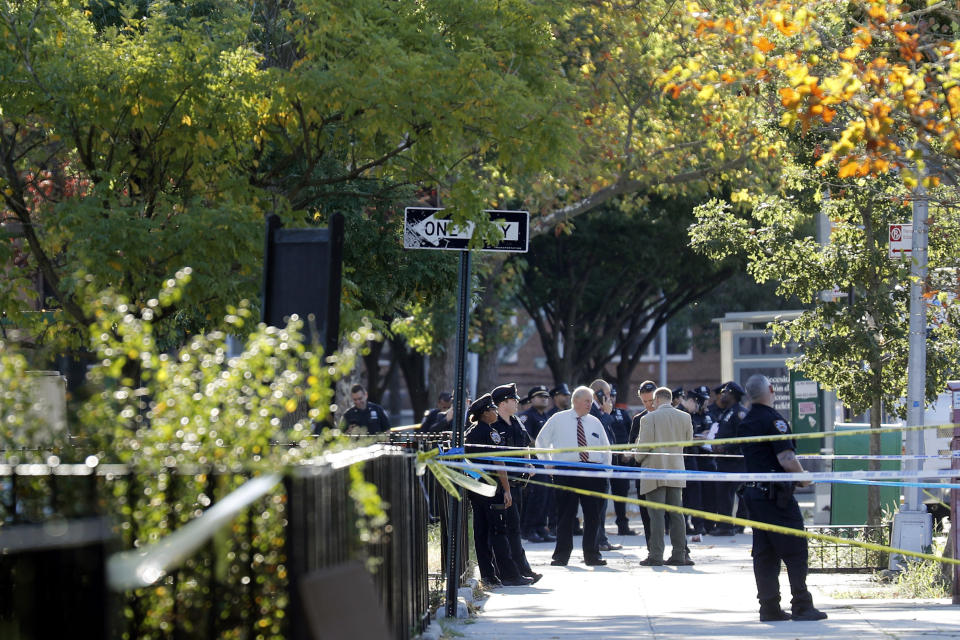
pixel 448 477
pixel 692 443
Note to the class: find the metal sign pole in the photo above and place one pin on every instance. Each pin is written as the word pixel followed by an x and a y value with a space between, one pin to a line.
pixel 454 536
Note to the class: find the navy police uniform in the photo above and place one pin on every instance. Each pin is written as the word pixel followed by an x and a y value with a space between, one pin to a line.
pixel 537 499
pixel 619 486
pixel 773 502
pixel 514 436
pixel 374 419
pixel 726 492
pixel 699 495
pixel 494 554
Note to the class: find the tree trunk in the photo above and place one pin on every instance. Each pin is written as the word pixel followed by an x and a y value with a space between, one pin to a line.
pixel 488 370
pixel 412 365
pixel 441 376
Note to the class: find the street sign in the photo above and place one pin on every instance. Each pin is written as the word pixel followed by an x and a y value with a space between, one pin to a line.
pixel 901 240
pixel 424 228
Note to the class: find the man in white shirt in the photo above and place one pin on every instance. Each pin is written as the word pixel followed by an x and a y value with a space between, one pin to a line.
pixel 569 429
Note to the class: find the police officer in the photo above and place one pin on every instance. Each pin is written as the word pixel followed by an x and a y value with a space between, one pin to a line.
pixel 732 412
pixel 699 495
pixel 439 418
pixel 364 413
pixel 619 486
pixel 600 409
pixel 537 499
pixel 560 395
pixel 514 436
pixel 773 502
pixel 494 551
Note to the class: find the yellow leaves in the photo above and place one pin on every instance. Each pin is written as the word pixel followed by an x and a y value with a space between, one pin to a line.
pixel 953 101
pixel 706 93
pixel 135 109
pixel 186 120
pixel 850 53
pixel 783 25
pixel 290 405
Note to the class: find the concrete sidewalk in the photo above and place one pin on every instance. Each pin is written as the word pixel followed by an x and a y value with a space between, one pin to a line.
pixel 716 598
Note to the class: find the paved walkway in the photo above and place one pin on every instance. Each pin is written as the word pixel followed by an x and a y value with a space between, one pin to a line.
pixel 716 598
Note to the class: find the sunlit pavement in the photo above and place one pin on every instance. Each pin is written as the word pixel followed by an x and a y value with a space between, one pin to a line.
pixel 716 598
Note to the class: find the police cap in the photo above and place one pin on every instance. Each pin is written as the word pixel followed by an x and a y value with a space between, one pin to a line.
pixel 538 391
pixel 698 393
pixel 480 405
pixel 734 388
pixel 505 392
pixel 560 390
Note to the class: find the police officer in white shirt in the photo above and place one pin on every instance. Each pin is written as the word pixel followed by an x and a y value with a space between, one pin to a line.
pixel 566 430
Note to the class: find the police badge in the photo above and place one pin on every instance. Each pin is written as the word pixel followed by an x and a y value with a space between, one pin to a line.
pixel 495 436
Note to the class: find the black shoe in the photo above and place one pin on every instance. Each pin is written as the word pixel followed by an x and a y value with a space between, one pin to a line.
pixel 491 583
pixel 651 562
pixel 547 536
pixel 533 576
pixel 626 531
pixel 607 546
pixel 682 561
pixel 739 529
pixel 534 538
pixel 552 531
pixel 558 563
pixel 810 614
pixel 599 562
pixel 774 616
pixel 519 581
pixel 723 531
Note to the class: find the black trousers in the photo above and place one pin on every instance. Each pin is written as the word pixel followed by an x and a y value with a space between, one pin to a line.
pixel 494 556
pixel 708 493
pixel 536 502
pixel 567 503
pixel 727 491
pixel 769 549
pixel 620 487
pixel 512 522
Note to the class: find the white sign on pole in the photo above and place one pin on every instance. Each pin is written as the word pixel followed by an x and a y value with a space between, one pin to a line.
pixel 901 240
pixel 424 228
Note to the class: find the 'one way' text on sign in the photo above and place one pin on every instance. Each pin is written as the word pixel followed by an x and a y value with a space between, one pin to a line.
pixel 425 229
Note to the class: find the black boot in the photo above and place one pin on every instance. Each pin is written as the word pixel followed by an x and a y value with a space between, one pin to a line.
pixel 770 611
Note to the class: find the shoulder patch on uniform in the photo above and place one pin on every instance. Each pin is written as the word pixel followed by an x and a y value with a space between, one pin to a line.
pixel 781 426
pixel 523 419
pixel 495 436
pixel 742 414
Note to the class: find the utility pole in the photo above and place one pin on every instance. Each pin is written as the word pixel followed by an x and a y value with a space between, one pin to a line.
pixel 912 526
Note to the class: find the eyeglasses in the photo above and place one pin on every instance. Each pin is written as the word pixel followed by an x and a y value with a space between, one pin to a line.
pixel 647 388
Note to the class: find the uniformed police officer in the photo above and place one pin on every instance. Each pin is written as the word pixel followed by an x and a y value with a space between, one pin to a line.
pixel 514 435
pixel 699 495
pixel 494 553
pixel 364 413
pixel 439 418
pixel 560 395
pixel 619 486
pixel 773 502
pixel 732 412
pixel 537 499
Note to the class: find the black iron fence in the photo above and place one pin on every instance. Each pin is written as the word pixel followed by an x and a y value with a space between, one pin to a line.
pixel 835 557
pixel 240 582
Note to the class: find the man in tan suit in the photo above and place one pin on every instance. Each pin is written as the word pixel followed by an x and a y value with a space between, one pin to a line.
pixel 664 424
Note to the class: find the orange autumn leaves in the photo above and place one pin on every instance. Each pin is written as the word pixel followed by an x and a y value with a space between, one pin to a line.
pixel 890 74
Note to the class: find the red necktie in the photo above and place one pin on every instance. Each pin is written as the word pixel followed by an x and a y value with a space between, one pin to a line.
pixel 582 440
